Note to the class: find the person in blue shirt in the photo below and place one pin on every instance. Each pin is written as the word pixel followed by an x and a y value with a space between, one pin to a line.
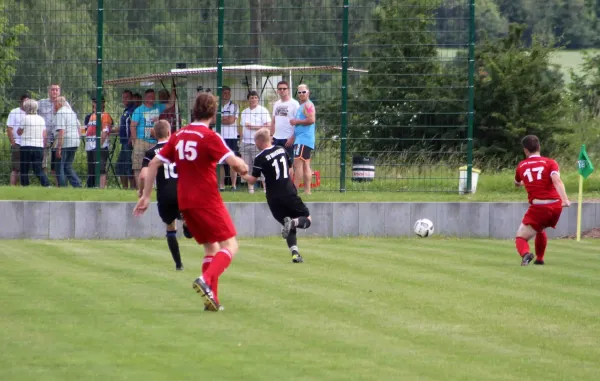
pixel 124 168
pixel 304 138
pixel 142 126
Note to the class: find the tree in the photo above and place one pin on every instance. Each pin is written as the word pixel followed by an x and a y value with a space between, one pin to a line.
pixel 517 92
pixel 409 98
pixel 9 41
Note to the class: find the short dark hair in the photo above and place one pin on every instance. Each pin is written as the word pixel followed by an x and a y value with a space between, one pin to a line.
pixel 205 107
pixel 531 143
pixel 252 93
pixel 127 91
pixel 226 88
pixel 283 83
pixel 148 91
pixel 25 96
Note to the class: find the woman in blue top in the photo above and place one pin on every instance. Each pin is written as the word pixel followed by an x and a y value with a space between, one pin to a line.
pixel 304 138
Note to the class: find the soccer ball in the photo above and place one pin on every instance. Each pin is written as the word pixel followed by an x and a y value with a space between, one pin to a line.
pixel 423 228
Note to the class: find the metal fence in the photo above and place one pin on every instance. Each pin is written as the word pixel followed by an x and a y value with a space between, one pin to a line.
pixel 391 80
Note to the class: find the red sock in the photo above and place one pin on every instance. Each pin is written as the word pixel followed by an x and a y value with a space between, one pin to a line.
pixel 218 264
pixel 541 240
pixel 522 246
pixel 206 262
pixel 214 285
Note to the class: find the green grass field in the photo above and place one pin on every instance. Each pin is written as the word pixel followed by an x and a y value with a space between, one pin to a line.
pixel 358 309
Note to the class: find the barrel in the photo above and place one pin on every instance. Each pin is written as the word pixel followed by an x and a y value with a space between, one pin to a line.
pixel 363 168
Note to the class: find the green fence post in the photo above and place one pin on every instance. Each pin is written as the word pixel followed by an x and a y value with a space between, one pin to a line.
pixel 344 121
pixel 99 85
pixel 471 112
pixel 220 39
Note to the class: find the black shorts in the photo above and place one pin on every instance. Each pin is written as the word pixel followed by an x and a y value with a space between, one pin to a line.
pixel 302 152
pixel 281 143
pixel 287 206
pixel 168 210
pixel 233 145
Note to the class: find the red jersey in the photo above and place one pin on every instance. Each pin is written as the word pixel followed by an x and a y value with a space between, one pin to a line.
pixel 535 172
pixel 196 150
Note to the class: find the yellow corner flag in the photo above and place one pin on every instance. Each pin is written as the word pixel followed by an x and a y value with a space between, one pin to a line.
pixel 585 168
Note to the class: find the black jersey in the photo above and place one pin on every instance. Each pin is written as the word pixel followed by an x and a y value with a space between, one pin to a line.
pixel 274 163
pixel 166 178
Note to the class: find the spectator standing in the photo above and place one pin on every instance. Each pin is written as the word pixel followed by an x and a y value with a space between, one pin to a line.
pixel 13 122
pixel 283 110
pixel 90 145
pixel 304 143
pixel 142 124
pixel 46 111
pixel 124 169
pixel 67 142
pixel 253 118
pixel 230 133
pixel 33 140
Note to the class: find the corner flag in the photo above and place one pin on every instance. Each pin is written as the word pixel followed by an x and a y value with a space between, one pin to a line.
pixel 585 166
pixel 585 169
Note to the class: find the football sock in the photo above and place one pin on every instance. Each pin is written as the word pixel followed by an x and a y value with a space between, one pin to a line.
pixel 294 250
pixel 302 222
pixel 522 246
pixel 541 240
pixel 217 266
pixel 206 262
pixel 174 246
pixel 291 239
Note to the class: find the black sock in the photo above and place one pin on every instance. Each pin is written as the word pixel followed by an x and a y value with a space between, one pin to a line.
pixel 292 241
pixel 174 246
pixel 303 223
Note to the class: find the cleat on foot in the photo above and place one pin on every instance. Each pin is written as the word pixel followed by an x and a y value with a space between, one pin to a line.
pixel 205 291
pixel 538 262
pixel 297 258
pixel 526 259
pixel 179 267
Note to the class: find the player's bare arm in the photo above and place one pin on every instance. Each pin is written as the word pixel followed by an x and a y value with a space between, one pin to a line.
pixel 140 181
pixel 237 164
pixel 560 188
pixel 144 200
pixel 272 126
pixel 250 179
pixel 132 131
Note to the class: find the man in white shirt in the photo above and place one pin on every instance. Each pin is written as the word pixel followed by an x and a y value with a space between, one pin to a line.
pixel 230 133
pixel 46 111
pixel 67 141
pixel 14 121
pixel 253 118
pixel 284 110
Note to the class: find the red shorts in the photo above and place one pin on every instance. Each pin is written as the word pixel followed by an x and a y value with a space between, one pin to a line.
pixel 540 217
pixel 209 225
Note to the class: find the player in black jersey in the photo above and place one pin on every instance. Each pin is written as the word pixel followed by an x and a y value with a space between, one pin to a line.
pixel 285 204
pixel 166 191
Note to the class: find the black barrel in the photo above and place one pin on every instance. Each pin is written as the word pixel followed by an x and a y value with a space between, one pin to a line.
pixel 363 168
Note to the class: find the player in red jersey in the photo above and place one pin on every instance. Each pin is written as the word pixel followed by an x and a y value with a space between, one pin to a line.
pixel 547 196
pixel 196 150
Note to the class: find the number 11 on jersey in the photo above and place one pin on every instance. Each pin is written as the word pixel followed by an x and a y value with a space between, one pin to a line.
pixel 277 170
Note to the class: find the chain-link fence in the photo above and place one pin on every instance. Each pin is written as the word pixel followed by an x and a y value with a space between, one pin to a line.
pixel 391 82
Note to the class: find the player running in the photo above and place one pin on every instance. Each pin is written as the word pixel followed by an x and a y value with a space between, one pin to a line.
pixel 196 150
pixel 166 191
pixel 282 196
pixel 547 196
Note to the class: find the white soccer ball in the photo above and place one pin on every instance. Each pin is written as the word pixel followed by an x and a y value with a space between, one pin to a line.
pixel 423 228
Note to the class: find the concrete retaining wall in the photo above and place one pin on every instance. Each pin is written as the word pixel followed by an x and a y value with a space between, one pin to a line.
pixel 115 220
